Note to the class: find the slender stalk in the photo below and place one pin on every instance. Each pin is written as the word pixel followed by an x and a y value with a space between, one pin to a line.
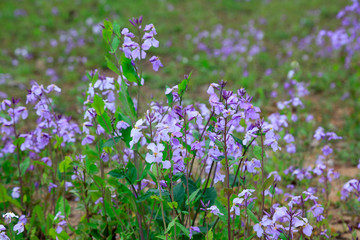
pixel 262 176
pixel 227 172
pixel 151 214
pixel 204 191
pixel 161 202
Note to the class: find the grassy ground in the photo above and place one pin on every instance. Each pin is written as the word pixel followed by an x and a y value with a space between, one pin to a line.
pixel 62 44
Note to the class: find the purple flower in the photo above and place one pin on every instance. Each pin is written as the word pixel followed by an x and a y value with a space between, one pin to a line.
pixel 291 148
pixel 3 235
pixel 252 165
pixel 317 209
pixel 270 140
pixel 88 140
pixel 214 210
pixel 156 63
pixel 327 150
pixel 51 186
pixel 156 155
pixel 319 133
pixel 122 125
pixel 15 192
pixel 8 216
pixel 289 138
pixel 19 227
pixel 193 229
pixel 100 200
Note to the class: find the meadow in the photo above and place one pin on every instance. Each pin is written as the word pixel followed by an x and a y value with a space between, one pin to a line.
pixel 170 119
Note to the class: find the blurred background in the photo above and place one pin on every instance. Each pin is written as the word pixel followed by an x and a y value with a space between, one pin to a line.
pixel 251 44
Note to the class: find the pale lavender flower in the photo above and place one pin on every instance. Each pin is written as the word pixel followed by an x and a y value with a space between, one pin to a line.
pixel 156 63
pixel 15 192
pixel 8 216
pixel 193 229
pixel 215 210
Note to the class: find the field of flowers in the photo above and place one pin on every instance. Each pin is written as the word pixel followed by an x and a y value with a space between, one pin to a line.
pixel 168 119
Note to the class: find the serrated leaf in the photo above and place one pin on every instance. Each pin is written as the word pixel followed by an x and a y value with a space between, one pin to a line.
pixel 19 141
pixel 171 225
pixel 183 228
pixel 112 66
pixel 179 193
pixel 222 210
pixel 209 235
pixel 126 100
pixel 116 29
pixel 129 70
pixel 257 152
pixel 105 122
pixel 131 172
pixel 192 197
pixel 63 206
pixel 115 44
pixel 99 180
pixel 24 165
pixel 110 142
pixel 117 173
pixel 98 104
pixel 252 216
pixel 65 164
pixel 268 182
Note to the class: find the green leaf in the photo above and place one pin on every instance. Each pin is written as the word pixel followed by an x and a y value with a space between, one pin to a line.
pixel 179 193
pixel 238 140
pixel 126 100
pixel 183 86
pixel 171 225
pixel 162 237
pixel 19 141
pixel 183 228
pixel 59 141
pixel 116 29
pixel 209 235
pixel 210 195
pixel 98 104
pixel 251 237
pixel 268 182
pixel 65 164
pixel 145 172
pixel 99 180
pixel 24 165
pixel 192 197
pixel 112 66
pixel 110 142
pixel 63 206
pixel 93 169
pixel 129 70
pixel 115 44
pixel 117 173
pixel 196 134
pixel 283 237
pixel 172 205
pixel 95 78
pixel 169 97
pixel 131 173
pixel 107 32
pixel 252 216
pixel 222 209
pixel 125 133
pixel 257 152
pixel 105 122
